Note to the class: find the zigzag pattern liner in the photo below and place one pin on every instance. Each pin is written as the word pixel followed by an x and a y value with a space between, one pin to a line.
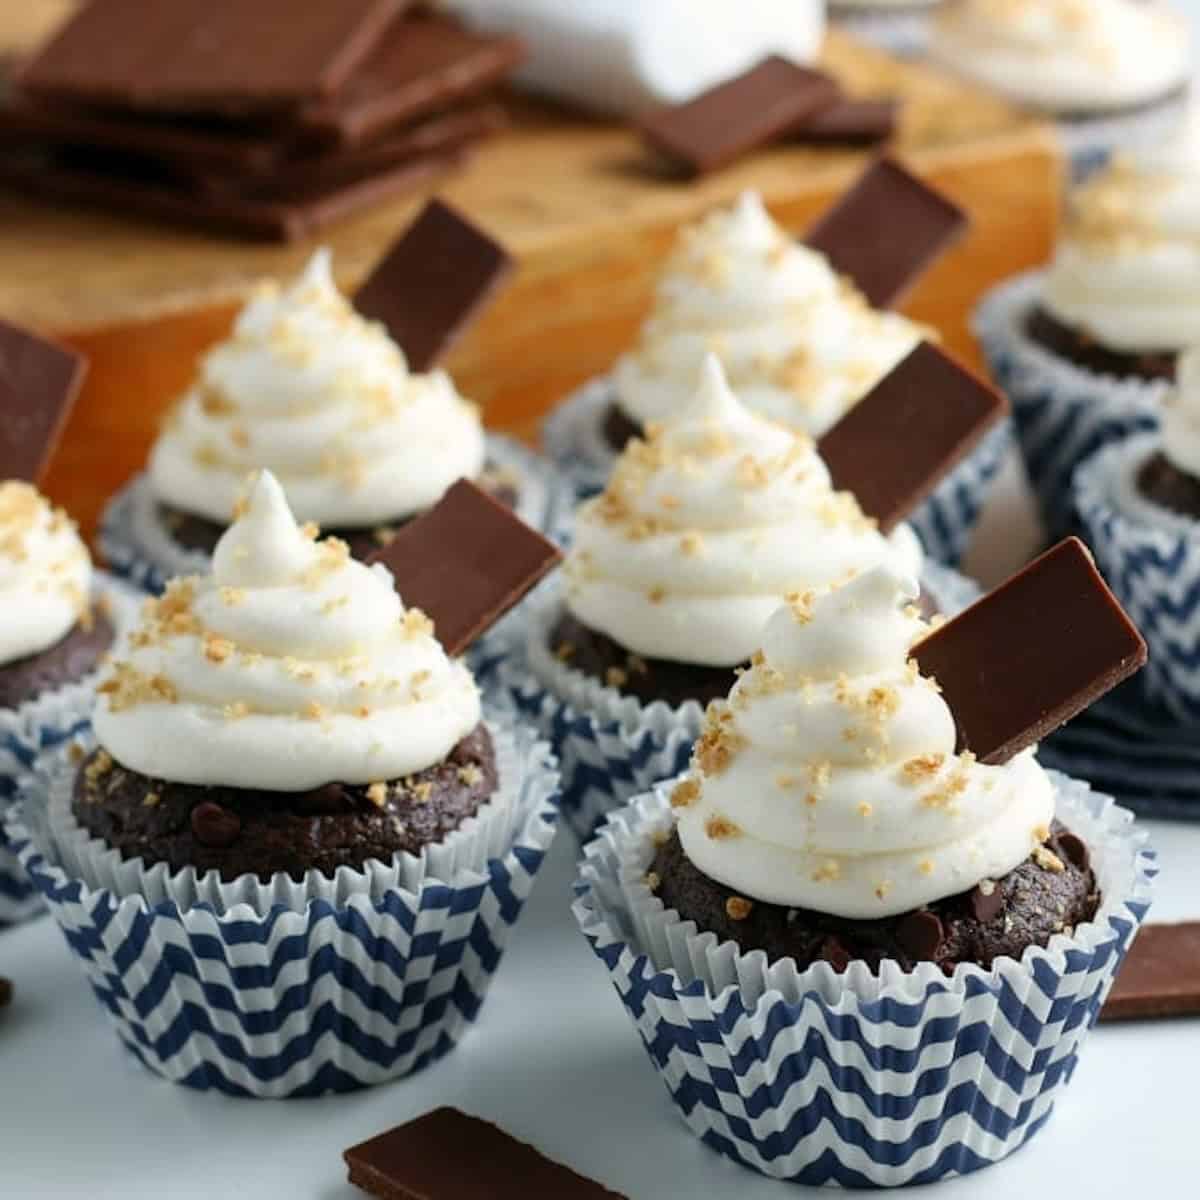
pixel 832 1087
pixel 296 1003
pixel 1062 413
pixel 574 439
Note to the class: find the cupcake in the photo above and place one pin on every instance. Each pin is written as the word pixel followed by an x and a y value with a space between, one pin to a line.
pixel 323 398
pixel 800 345
pixel 899 26
pixel 1139 501
pixel 1107 70
pixel 1086 348
pixel 293 796
pixel 856 955
pixel 60 620
pixel 674 569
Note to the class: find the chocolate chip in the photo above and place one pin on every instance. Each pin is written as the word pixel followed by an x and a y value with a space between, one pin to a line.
pixel 215 826
pixel 323 800
pixel 6 993
pixel 835 954
pixel 1073 850
pixel 920 934
pixel 985 905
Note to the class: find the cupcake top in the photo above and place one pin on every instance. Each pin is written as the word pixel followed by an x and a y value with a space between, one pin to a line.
pixel 323 398
pixel 704 527
pixel 799 344
pixel 829 780
pixel 1127 267
pixel 45 573
pixel 1067 56
pixel 290 666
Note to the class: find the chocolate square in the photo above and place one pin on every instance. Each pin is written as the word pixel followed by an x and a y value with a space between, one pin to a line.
pixel 1160 976
pixel 432 282
pixel 39 381
pixel 886 231
pixel 466 562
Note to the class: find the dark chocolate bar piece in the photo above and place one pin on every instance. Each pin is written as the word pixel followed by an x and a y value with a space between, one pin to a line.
pixel 735 117
pixel 447 1155
pixel 420 66
pixel 159 195
pixel 466 562
pixel 225 56
pixel 1160 976
pixel 1032 653
pixel 432 282
pixel 886 231
pixel 39 381
pixel 914 426
pixel 850 122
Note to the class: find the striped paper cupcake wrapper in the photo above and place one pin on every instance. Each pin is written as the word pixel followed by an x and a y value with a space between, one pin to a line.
pixel 1062 412
pixel 611 746
pixel 573 435
pixel 858 1079
pixel 137 543
pixel 43 723
pixel 292 988
pixel 1152 563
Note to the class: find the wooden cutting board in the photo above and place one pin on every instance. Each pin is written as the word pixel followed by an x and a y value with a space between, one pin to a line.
pixel 576 202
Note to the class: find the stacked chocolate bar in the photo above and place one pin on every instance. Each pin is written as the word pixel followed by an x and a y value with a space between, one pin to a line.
pixel 267 119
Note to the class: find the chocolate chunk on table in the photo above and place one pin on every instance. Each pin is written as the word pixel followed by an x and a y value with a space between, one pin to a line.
pixel 420 66
pixel 447 1155
pixel 849 122
pixel 886 231
pixel 894 446
pixel 207 55
pixel 466 562
pixel 432 282
pixel 735 117
pixel 39 381
pixel 1160 976
pixel 1032 653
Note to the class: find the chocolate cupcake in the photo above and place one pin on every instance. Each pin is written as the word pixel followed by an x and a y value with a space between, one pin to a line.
pixel 799 344
pixel 835 901
pixel 284 750
pixel 311 390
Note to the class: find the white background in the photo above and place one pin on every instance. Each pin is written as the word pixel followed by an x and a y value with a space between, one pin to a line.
pixel 554 1060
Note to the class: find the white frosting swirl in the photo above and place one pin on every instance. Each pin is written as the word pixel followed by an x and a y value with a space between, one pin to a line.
pixel 1181 416
pixel 1066 56
pixel 289 667
pixel 45 573
pixel 1127 268
pixel 310 390
pixel 799 344
pixel 707 524
pixel 829 780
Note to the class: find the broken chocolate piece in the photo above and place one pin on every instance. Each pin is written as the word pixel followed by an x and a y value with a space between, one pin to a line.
pixel 850 122
pixel 1160 976
pixel 886 231
pixel 420 66
pixel 218 56
pixel 447 1155
pixel 432 282
pixel 920 934
pixel 985 904
pixel 913 427
pixel 466 562
pixel 1032 653
pixel 39 381
pixel 735 117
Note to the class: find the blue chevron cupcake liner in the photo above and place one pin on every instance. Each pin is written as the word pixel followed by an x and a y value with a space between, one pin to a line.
pixel 1151 559
pixel 136 542
pixel 858 1079
pixel 1062 413
pixel 292 988
pixel 573 435
pixel 44 723
pixel 611 746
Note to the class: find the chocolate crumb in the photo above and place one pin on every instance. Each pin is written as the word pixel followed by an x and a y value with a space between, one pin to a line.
pixel 215 826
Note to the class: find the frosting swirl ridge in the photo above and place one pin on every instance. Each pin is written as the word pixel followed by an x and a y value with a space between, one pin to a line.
pixel 323 398
pixel 289 667
pixel 829 780
pixel 706 524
